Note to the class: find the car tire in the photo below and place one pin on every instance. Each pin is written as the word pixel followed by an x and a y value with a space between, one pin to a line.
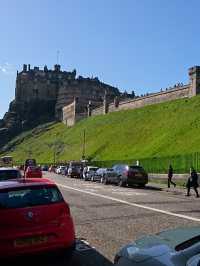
pixel 121 183
pixel 105 181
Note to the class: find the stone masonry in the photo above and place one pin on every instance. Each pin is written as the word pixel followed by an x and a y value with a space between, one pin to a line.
pixel 40 95
pixel 184 91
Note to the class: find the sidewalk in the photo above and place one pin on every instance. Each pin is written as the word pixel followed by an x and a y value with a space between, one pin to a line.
pixel 178 190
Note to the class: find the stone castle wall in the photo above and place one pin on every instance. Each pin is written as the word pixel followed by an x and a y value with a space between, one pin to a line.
pixel 183 91
pixel 41 94
pixel 97 111
pixel 178 93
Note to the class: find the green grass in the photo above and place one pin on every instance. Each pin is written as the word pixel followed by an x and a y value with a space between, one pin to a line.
pixel 161 130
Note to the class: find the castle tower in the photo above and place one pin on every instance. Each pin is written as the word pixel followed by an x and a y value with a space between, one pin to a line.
pixel 194 74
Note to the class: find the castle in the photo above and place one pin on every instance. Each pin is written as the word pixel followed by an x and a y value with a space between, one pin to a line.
pixel 71 114
pixel 41 94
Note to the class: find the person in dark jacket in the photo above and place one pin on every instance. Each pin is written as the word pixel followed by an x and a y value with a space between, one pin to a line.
pixel 170 175
pixel 192 182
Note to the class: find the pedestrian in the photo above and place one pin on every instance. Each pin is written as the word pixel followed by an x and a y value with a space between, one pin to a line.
pixel 170 175
pixel 192 182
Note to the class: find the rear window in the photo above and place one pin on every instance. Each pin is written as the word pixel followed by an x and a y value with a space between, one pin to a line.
pixel 9 174
pixel 93 169
pixel 31 196
pixel 30 162
pixel 137 168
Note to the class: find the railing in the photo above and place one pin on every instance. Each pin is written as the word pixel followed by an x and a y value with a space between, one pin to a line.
pixel 180 163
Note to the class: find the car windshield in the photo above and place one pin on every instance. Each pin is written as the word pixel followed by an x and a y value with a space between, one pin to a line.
pixel 32 196
pixel 9 174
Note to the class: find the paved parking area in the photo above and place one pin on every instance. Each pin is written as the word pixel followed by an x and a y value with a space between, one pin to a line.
pixel 108 217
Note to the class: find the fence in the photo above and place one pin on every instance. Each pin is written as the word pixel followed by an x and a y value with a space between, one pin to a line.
pixel 180 163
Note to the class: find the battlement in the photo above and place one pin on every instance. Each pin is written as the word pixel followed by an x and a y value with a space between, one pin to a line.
pixel 27 71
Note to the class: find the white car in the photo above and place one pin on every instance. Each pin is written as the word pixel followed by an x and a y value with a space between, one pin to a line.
pixel 88 172
pixel 60 169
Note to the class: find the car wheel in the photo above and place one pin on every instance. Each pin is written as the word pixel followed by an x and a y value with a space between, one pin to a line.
pixel 121 183
pixel 105 181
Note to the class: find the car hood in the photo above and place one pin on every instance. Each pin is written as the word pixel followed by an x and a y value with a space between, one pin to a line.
pixel 157 245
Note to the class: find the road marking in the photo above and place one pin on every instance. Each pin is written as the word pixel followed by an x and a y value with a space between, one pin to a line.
pixel 125 193
pixel 131 204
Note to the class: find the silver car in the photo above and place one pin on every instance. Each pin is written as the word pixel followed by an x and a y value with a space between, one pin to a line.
pixel 176 247
pixel 110 177
pixel 99 174
pixel 89 172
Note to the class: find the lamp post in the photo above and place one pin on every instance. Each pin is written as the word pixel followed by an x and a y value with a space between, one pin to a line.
pixel 83 151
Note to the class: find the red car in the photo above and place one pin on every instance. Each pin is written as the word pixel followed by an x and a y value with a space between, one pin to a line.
pixel 33 172
pixel 34 218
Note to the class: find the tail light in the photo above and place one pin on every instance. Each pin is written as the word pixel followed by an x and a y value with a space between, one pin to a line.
pixel 65 210
pixel 125 173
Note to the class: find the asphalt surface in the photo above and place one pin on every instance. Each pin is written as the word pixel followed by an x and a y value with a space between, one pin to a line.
pixel 108 217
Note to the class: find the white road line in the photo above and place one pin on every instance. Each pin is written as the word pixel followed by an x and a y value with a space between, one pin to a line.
pixel 131 204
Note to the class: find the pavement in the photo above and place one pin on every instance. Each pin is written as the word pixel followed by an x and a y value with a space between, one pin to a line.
pixel 107 217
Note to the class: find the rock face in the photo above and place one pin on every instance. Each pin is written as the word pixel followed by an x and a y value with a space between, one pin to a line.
pixel 41 94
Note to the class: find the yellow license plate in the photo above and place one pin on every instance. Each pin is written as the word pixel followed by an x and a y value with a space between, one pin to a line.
pixel 30 241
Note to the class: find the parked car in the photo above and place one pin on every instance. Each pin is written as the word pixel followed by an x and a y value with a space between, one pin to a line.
pixel 7 173
pixel 89 172
pixel 29 162
pixel 175 247
pixel 33 172
pixel 110 177
pixel 44 168
pixel 52 168
pixel 34 218
pixel 59 169
pixel 99 174
pixel 75 169
pixel 64 170
pixel 131 175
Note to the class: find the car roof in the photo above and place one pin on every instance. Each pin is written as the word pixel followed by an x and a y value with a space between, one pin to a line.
pixel 23 182
pixel 8 168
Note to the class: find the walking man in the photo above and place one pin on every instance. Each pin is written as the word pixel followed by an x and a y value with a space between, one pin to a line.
pixel 192 182
pixel 170 175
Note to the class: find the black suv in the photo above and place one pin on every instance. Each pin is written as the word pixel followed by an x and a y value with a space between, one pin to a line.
pixel 131 175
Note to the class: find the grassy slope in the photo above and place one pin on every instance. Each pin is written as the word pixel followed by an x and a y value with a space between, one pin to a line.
pixel 159 130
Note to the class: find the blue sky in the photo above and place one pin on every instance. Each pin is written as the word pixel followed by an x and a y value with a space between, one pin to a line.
pixel 143 45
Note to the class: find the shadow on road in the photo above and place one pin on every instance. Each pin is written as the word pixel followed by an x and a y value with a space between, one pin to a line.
pixel 84 255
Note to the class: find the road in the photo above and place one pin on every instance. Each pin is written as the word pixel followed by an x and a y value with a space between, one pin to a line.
pixel 108 216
